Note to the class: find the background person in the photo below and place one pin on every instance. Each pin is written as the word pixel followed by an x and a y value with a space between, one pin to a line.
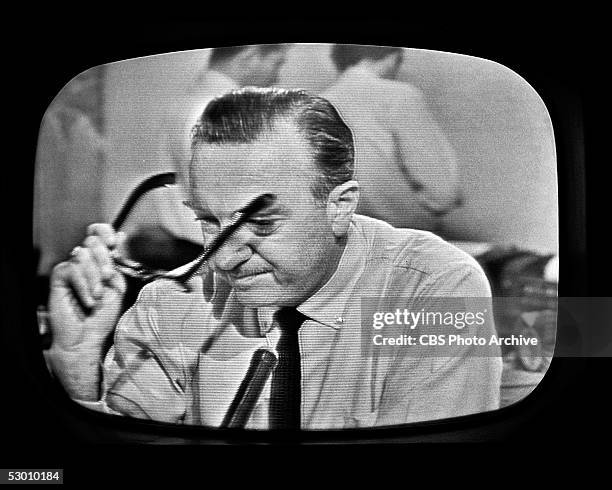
pixel 407 168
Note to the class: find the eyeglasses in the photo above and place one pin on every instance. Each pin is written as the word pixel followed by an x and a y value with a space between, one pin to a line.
pixel 138 271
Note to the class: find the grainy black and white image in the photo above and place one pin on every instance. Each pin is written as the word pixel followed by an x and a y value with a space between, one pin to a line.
pixel 209 223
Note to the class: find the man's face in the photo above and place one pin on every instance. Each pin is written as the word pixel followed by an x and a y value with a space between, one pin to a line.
pixel 284 253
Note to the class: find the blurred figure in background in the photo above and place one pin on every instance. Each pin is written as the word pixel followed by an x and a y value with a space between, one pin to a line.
pixel 69 162
pixel 405 165
pixel 162 232
pixel 228 68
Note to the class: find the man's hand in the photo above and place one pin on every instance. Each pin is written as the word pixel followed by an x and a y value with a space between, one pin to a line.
pixel 84 307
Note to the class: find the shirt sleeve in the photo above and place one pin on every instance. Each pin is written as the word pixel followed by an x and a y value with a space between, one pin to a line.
pixel 427 156
pixel 446 381
pixel 142 374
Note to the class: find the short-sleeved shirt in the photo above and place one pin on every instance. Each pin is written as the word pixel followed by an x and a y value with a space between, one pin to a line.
pixel 406 167
pixel 180 356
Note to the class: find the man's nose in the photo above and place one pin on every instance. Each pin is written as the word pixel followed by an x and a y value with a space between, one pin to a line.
pixel 233 252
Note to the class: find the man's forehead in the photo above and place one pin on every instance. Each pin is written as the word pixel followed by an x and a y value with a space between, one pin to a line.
pixel 283 140
pixel 279 162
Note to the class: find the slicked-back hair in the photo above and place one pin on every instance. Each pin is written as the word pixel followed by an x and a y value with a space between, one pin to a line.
pixel 244 115
pixel 346 55
pixel 224 53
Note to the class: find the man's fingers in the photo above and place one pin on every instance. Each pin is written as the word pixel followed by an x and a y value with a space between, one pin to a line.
pixel 117 282
pixel 86 264
pixel 91 269
pixel 105 232
pixel 102 240
pixel 78 282
pixel 101 255
pixel 60 274
pixel 70 275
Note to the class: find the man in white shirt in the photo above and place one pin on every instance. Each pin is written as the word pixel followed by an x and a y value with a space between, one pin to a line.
pixel 180 357
pixel 406 165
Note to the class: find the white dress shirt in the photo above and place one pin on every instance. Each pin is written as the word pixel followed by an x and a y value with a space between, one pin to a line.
pixel 180 357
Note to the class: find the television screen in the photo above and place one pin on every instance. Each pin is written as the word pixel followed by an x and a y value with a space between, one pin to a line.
pixel 297 237
pixel 496 185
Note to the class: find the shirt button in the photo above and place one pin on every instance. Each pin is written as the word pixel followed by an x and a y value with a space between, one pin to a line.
pixel 339 319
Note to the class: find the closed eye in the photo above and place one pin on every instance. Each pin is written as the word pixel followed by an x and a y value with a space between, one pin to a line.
pixel 263 227
pixel 259 226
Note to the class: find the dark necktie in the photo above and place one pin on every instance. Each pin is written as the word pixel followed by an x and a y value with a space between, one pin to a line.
pixel 285 395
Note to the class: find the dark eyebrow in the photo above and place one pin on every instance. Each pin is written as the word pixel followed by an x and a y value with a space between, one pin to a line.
pixel 274 209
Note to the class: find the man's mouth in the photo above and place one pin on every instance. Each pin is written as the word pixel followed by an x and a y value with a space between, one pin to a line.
pixel 244 279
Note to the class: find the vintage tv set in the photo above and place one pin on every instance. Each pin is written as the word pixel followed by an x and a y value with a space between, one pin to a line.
pixel 513 180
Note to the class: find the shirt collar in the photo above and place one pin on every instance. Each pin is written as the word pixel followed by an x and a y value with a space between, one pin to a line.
pixel 327 306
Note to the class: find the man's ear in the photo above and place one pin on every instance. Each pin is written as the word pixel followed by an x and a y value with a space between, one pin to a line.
pixel 341 205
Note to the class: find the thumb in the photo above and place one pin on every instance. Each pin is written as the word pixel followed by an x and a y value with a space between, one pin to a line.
pixel 118 283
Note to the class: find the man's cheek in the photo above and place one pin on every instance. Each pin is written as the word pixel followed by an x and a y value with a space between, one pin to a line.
pixel 291 268
pixel 288 272
pixel 281 253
